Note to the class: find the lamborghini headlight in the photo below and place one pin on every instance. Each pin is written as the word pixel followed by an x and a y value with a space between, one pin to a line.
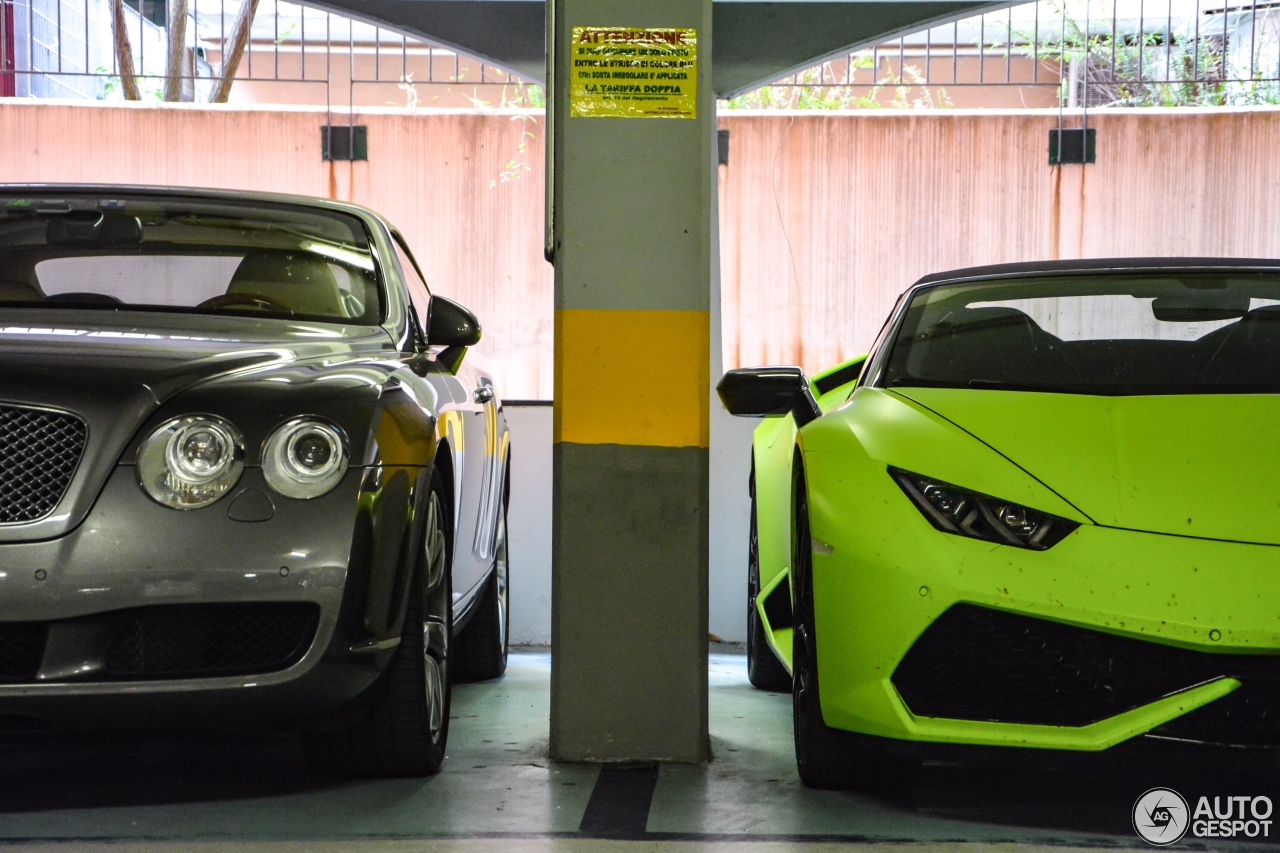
pixel 953 509
pixel 304 458
pixel 190 462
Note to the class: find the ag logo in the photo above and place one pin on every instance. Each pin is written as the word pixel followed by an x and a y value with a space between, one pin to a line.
pixel 1160 816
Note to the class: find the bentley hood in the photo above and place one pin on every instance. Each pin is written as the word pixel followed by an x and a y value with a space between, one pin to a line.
pixel 1190 465
pixel 154 355
pixel 115 370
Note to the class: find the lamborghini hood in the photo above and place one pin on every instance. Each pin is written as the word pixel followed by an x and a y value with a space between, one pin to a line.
pixel 1191 465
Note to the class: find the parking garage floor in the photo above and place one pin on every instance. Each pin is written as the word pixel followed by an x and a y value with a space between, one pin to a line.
pixel 222 791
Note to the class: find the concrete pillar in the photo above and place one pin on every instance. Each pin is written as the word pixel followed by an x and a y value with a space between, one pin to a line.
pixel 634 241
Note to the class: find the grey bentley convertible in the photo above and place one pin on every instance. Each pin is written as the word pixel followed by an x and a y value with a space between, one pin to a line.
pixel 246 476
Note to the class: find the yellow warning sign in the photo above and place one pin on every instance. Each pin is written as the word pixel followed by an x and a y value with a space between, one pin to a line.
pixel 628 72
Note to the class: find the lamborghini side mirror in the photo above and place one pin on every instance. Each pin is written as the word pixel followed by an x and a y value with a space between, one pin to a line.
pixel 753 392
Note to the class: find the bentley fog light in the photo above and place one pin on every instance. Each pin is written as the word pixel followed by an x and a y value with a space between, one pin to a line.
pixel 190 462
pixel 305 458
pixel 952 509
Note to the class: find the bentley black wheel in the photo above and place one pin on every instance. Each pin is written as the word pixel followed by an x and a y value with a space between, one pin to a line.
pixel 403 728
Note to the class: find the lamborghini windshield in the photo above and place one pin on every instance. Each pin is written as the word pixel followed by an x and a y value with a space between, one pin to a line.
pixel 191 254
pixel 1155 332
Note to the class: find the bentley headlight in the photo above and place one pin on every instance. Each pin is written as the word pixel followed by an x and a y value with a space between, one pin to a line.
pixel 190 462
pixel 952 509
pixel 304 458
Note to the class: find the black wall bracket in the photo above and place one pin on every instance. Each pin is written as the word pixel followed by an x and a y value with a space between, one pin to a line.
pixel 344 142
pixel 1074 145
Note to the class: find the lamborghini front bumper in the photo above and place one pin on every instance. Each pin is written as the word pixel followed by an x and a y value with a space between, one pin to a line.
pixel 1109 635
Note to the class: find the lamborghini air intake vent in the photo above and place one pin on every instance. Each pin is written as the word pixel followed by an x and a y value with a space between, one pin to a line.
pixel 976 663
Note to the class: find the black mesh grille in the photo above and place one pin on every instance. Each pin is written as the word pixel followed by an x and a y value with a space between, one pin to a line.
pixel 212 639
pixel 1248 717
pixel 39 452
pixel 21 650
pixel 979 664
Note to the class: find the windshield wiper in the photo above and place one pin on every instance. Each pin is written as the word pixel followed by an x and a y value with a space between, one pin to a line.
pixel 997 385
pixel 985 385
pixel 914 382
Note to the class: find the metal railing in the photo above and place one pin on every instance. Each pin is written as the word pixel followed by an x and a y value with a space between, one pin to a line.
pixel 66 48
pixel 1058 53
pixel 1053 53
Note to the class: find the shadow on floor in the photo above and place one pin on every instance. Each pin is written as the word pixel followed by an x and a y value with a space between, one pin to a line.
pixel 1088 794
pixel 48 772
pixel 497 782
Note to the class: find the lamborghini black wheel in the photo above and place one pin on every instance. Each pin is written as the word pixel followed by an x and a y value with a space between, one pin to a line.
pixel 825 757
pixel 764 670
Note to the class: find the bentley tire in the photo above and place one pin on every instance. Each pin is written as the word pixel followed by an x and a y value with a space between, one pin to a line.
pixel 764 670
pixel 402 729
pixel 480 652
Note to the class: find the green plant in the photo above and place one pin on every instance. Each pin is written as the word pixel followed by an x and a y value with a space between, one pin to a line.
pixel 809 89
pixel 911 78
pixel 518 166
pixel 151 88
pixel 1186 64
pixel 817 88
pixel 410 91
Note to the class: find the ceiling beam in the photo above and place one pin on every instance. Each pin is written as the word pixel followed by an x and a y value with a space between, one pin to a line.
pixel 754 42
pixel 507 33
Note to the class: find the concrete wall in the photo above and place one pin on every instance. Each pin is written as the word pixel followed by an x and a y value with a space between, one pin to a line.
pixel 530 524
pixel 529 520
pixel 825 218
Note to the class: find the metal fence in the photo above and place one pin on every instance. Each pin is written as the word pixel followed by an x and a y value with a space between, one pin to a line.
pixel 1067 53
pixel 1053 53
pixel 66 48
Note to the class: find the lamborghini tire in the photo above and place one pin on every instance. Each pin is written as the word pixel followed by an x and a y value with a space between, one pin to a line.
pixel 764 670
pixel 825 757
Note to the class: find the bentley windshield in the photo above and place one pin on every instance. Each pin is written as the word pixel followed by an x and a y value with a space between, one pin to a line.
pixel 193 255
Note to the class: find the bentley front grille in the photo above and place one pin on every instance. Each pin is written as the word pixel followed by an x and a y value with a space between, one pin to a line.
pixel 39 453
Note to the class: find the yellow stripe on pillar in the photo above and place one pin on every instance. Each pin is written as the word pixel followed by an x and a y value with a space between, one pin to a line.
pixel 632 377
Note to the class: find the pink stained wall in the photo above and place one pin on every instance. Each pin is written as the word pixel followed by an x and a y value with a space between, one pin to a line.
pixel 825 217
pixel 456 183
pixel 828 217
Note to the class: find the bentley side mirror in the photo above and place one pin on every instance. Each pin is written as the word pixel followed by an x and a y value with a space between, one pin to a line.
pixel 454 327
pixel 753 392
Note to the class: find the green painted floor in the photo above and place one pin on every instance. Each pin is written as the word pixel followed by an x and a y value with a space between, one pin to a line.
pixel 499 792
